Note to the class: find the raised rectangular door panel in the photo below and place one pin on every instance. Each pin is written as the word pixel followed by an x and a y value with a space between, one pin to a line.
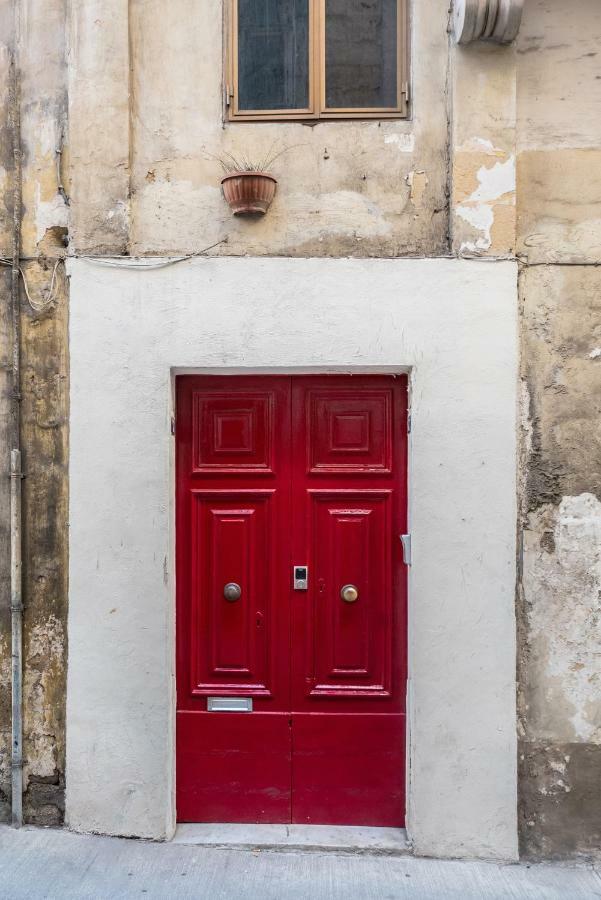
pixel 348 432
pixel 230 640
pixel 349 642
pixel 233 433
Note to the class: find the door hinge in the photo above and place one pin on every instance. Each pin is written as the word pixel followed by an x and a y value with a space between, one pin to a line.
pixel 227 95
pixel 405 91
pixel 406 542
pixel 409 423
pixel 173 425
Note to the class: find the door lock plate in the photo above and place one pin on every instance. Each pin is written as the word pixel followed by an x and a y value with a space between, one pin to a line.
pixel 300 578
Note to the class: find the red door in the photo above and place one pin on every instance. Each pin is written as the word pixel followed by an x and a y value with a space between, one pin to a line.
pixel 291 617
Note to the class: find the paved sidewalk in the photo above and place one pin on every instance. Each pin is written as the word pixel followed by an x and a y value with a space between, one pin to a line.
pixel 57 865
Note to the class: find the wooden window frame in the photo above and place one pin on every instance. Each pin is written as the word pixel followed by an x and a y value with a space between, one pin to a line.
pixel 317 109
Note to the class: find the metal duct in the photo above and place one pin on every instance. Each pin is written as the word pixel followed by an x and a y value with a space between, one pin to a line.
pixel 486 20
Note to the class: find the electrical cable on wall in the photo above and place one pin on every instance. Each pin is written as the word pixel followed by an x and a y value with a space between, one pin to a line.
pixel 124 262
pixel 36 305
pixel 114 262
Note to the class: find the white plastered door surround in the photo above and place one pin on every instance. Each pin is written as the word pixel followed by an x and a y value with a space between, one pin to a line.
pixel 453 325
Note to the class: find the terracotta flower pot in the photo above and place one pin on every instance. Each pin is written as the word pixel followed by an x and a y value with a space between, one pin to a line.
pixel 249 193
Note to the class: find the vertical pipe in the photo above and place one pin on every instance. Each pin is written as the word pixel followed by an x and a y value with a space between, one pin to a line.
pixel 16 607
pixel 14 99
pixel 16 599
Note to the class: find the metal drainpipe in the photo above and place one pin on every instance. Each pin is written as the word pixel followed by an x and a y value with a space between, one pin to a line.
pixel 16 607
pixel 16 584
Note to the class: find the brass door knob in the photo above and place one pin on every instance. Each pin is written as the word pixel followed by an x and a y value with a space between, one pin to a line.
pixel 232 592
pixel 349 593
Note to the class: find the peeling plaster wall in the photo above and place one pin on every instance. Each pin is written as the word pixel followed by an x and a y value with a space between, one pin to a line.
pixel 44 408
pixel 147 181
pixel 483 159
pixel 559 597
pixel 559 604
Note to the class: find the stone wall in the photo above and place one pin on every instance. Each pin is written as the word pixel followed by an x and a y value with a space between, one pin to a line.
pixel 122 116
pixel 41 53
pixel 559 598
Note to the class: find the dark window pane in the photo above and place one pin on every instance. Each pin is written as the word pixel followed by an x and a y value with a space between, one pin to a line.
pixel 273 54
pixel 361 53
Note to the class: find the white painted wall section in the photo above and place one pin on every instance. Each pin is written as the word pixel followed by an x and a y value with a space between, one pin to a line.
pixel 453 324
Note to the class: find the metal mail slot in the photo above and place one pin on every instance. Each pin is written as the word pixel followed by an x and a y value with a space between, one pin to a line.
pixel 229 704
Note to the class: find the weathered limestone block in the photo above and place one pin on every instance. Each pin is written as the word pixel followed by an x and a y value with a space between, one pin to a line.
pixel 559 132
pixel 99 126
pixel 44 135
pixel 561 351
pixel 559 208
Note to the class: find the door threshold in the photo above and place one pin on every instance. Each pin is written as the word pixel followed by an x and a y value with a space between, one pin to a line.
pixel 356 839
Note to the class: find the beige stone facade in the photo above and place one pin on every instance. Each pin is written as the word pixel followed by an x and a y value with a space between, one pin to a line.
pixel 122 115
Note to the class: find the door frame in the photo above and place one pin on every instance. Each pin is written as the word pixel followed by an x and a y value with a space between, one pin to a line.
pixel 177 372
pixel 404 476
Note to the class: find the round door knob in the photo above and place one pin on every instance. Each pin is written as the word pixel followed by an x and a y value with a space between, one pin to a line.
pixel 232 592
pixel 349 593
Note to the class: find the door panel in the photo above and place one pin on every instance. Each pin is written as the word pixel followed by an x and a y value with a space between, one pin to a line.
pixel 274 471
pixel 348 431
pixel 348 659
pixel 230 639
pixel 233 767
pixel 348 769
pixel 233 433
pixel 233 513
pixel 350 642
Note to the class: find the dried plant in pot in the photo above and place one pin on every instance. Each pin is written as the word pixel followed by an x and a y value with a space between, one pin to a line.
pixel 249 192
pixel 248 185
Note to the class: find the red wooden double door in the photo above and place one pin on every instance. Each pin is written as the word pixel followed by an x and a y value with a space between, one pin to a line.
pixel 291 619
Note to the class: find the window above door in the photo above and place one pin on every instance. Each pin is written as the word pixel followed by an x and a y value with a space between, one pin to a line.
pixel 317 59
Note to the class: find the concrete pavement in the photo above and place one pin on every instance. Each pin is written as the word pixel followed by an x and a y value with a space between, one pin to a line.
pixel 47 864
